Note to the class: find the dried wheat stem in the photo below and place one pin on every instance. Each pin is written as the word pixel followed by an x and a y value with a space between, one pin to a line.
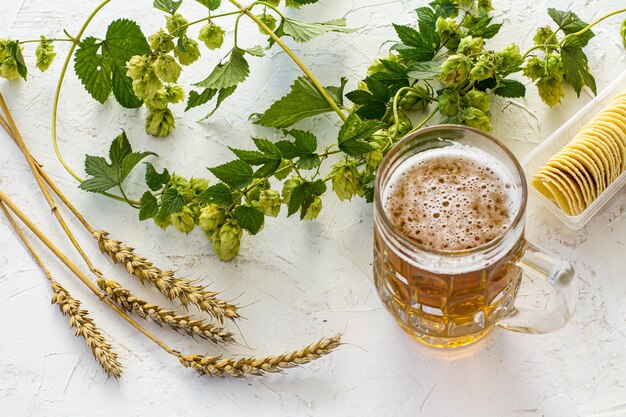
pixel 165 281
pixel 87 329
pixel 218 366
pixel 184 324
pixel 33 167
pixel 69 306
pixel 170 286
pixel 79 274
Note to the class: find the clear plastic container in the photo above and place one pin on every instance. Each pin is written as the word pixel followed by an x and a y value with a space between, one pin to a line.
pixel 549 147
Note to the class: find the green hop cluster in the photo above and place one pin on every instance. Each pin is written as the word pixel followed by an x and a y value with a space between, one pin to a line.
pixel 416 98
pixel 185 220
pixel 45 54
pixel 268 20
pixel 470 45
pixel 159 122
pixel 449 32
pixel 8 62
pixel 623 33
pixel 545 37
pixel 449 102
pixel 198 185
pixel 211 218
pixel 314 209
pixel 255 188
pixel 269 203
pixel 227 239
pixel 161 41
pixel 485 5
pixel 212 35
pixel 175 23
pixel 474 117
pixel 550 73
pixel 166 68
pixel 484 67
pixel 455 70
pixel 141 70
pixel 284 169
pixel 288 187
pixel 188 51
pixel 477 99
pixel 345 179
pixel 509 59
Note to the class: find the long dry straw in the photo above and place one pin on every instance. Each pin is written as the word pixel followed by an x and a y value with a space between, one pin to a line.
pixel 208 365
pixel 79 319
pixel 165 281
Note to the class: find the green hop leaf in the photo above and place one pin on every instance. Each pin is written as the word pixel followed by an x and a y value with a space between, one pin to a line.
pixel 218 194
pixel 210 4
pixel 149 206
pixel 249 218
pixel 168 6
pixel 355 133
pixel 424 70
pixel 303 101
pixel 236 173
pixel 268 156
pixel 373 101
pixel 303 196
pixel 569 23
pixel 101 65
pixel 45 54
pixel 212 35
pixel 12 64
pixel 576 69
pixel 268 20
pixel 305 31
pixel 228 74
pixel 106 175
pixel 154 180
pixel 303 148
pixel 159 122
pixel 172 201
pixel 414 46
pixel 510 89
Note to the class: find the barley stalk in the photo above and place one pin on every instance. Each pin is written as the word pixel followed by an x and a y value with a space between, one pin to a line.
pixel 169 285
pixel 163 317
pixel 87 329
pixel 240 367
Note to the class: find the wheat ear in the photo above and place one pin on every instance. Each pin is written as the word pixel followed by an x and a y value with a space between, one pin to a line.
pixel 185 324
pixel 169 285
pixel 240 367
pixel 165 281
pixel 87 329
pixel 69 306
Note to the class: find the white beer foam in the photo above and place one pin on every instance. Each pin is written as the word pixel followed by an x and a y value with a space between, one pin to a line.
pixel 452 198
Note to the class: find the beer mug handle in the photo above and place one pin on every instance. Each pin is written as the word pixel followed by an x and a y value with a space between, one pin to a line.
pixel 537 264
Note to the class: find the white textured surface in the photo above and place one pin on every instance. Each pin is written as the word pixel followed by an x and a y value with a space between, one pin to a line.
pixel 303 280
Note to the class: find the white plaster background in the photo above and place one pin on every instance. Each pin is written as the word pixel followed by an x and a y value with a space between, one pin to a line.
pixel 302 280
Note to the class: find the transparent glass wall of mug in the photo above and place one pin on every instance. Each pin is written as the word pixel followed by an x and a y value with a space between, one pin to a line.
pixel 451 298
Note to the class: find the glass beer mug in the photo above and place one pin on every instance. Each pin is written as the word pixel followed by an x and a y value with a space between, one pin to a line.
pixel 451 298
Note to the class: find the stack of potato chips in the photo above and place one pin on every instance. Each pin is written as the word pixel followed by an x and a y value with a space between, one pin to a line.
pixel 589 163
